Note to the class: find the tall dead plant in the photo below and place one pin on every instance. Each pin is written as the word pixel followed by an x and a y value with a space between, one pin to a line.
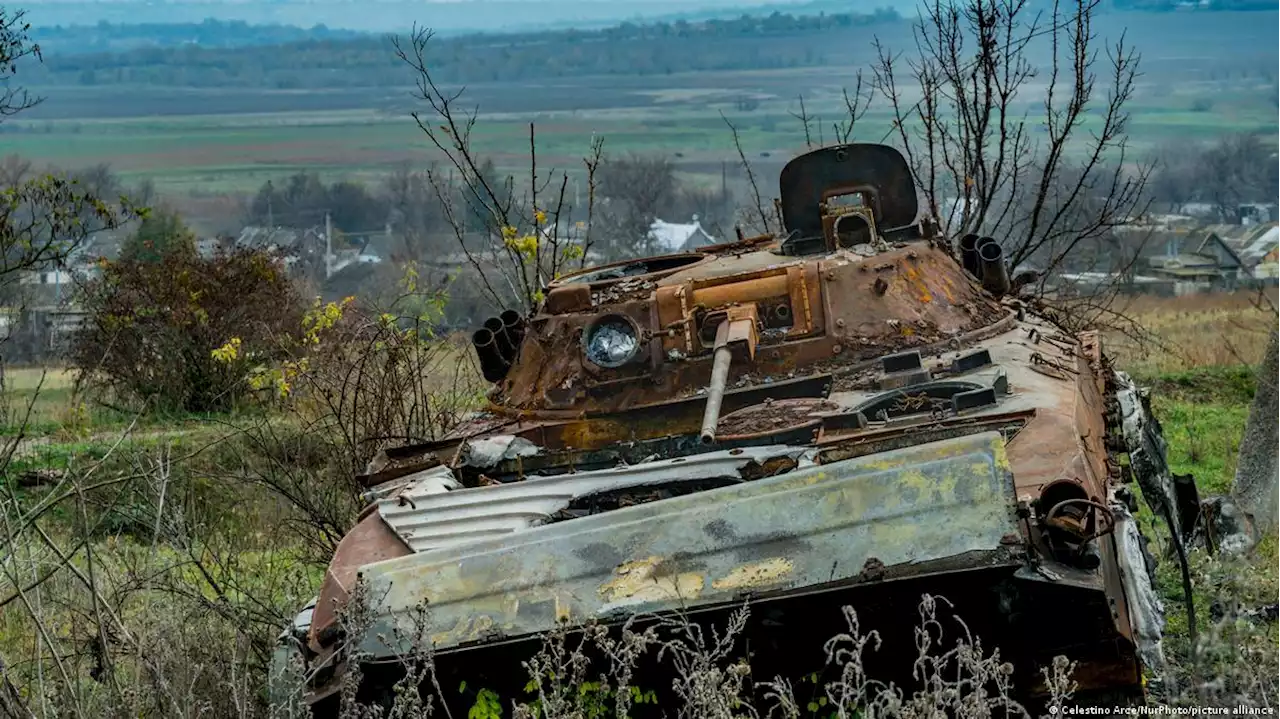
pixel 586 670
pixel 525 232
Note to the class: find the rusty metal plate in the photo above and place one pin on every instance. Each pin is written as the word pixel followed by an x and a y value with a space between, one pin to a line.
pixel 432 514
pixel 815 526
pixel 803 180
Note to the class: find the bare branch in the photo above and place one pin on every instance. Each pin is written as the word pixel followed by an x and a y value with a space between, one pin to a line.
pixel 855 107
pixel 805 121
pixel 1044 187
pixel 517 243
pixel 751 178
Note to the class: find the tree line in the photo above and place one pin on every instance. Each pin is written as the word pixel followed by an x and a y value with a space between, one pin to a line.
pixel 1206 6
pixel 1233 170
pixel 105 37
pixel 773 41
pixel 413 216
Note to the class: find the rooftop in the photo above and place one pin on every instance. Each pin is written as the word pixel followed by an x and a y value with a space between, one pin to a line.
pixel 674 237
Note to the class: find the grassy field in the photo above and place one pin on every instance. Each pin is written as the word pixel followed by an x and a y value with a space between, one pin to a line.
pixel 1202 75
pixel 678 116
pixel 1198 357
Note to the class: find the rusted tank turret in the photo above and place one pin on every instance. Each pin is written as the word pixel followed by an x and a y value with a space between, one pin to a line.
pixel 855 412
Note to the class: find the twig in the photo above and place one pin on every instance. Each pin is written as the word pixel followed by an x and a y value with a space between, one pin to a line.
pixel 751 178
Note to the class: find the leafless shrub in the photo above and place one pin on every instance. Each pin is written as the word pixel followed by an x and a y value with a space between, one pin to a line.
pixel 961 681
pixel 128 628
pixel 406 699
pixel 525 233
pixel 754 216
pixel 710 679
pixel 558 672
pixel 972 136
pixel 856 105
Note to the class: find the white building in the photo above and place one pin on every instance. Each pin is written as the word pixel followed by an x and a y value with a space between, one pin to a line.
pixel 673 237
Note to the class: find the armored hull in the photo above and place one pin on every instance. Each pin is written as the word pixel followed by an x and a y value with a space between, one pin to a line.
pixel 853 415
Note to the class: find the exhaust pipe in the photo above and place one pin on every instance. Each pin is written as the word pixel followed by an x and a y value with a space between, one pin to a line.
pixel 969 255
pixel 506 348
pixel 995 276
pixel 493 365
pixel 513 325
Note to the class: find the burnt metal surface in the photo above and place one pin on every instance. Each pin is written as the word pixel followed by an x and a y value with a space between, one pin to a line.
pixel 371 540
pixel 809 527
pixel 885 409
pixel 843 309
pixel 772 414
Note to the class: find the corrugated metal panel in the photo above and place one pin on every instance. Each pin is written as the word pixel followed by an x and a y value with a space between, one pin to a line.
pixel 428 517
pixel 812 526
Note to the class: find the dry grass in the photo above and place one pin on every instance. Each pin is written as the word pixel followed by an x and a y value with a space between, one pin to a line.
pixel 1204 330
pixel 27 379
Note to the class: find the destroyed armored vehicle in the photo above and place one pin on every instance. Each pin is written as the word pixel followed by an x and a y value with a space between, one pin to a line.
pixel 855 412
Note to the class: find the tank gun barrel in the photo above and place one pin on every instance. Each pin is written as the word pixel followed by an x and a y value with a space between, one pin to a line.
pixel 737 329
pixel 715 392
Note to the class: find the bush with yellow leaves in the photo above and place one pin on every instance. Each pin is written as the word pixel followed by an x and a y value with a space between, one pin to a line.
pixel 367 376
pixel 542 253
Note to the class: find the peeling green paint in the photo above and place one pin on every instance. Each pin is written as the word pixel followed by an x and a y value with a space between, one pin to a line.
pixel 917 504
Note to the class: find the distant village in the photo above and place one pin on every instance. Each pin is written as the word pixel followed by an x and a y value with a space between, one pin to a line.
pixel 1181 254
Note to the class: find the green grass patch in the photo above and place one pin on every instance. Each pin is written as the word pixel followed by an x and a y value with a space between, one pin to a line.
pixel 1206 385
pixel 58 456
pixel 1203 411
pixel 1204 439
